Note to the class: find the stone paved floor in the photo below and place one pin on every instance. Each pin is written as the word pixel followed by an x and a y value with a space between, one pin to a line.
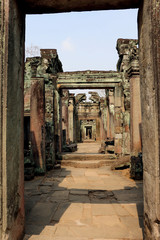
pixel 83 204
pixel 88 147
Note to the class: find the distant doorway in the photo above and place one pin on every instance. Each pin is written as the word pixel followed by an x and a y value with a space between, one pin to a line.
pixel 89 132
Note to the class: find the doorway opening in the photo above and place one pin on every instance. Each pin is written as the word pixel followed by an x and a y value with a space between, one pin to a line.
pixel 110 126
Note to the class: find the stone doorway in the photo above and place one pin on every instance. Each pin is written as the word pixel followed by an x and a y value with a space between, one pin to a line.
pixel 11 85
pixel 89 132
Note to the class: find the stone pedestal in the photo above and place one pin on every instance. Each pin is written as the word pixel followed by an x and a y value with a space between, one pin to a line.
pixel 37 124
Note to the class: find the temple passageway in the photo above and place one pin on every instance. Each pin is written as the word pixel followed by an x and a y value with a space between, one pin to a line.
pixel 91 147
pixel 83 204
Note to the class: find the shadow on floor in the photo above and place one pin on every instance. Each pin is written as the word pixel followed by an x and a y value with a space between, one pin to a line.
pixel 51 198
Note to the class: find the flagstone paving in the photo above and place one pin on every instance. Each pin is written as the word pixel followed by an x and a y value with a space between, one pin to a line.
pixel 83 204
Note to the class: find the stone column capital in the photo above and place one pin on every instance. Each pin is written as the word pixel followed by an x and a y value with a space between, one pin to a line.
pixel 133 69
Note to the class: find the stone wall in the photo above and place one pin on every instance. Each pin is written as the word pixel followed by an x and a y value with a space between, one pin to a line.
pixel 12 25
pixel 125 48
pixel 44 68
pixel 149 42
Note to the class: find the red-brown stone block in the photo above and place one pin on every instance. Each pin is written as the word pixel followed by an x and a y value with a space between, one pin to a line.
pixel 37 124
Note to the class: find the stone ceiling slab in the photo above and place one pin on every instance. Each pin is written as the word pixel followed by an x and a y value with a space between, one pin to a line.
pixel 55 6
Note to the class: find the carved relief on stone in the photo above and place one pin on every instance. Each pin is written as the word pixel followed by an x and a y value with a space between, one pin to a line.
pixel 111 108
pixel 81 97
pixel 95 98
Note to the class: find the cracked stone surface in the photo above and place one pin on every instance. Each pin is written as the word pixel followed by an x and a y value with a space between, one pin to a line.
pixel 83 204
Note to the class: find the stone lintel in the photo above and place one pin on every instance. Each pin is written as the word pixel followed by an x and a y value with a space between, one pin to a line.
pixel 53 6
pixel 88 79
pixel 85 86
pixel 27 114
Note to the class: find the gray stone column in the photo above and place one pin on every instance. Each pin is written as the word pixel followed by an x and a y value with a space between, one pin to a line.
pixel 12 26
pixel 149 42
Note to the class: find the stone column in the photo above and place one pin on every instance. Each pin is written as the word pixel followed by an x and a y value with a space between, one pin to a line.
pixel 118 130
pixel 111 113
pixel 65 100
pixel 149 42
pixel 12 32
pixel 103 118
pixel 71 118
pixel 49 124
pixel 135 108
pixel 37 122
pixel 60 120
pixel 56 119
pixel 108 123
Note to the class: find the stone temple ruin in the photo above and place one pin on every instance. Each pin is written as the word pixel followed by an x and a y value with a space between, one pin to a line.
pixel 55 120
pixel 12 38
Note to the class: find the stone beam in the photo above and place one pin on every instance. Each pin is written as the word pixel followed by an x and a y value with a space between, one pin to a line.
pixel 86 86
pixel 54 6
pixel 88 80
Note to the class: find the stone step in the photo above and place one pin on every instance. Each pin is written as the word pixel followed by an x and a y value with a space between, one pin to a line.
pixel 88 157
pixel 87 164
pixel 53 237
pixel 89 141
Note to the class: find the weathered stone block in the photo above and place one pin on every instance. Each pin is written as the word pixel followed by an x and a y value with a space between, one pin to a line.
pixel 37 124
pixel 136 171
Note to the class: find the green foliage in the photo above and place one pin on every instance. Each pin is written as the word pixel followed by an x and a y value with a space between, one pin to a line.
pixel 39 172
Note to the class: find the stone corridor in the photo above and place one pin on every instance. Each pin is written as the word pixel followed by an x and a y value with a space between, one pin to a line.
pixel 83 204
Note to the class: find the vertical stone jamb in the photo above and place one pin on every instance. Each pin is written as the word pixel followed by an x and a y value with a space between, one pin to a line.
pixel 149 41
pixel 12 31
